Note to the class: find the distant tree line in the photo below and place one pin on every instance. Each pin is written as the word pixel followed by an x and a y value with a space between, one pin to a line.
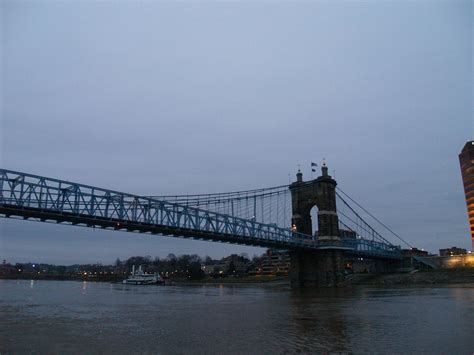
pixel 191 267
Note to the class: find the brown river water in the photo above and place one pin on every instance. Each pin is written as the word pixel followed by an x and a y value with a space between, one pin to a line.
pixel 66 317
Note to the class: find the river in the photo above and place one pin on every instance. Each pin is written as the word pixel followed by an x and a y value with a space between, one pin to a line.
pixel 87 317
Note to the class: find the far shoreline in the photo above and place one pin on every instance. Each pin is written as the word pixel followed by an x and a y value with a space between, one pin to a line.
pixel 433 278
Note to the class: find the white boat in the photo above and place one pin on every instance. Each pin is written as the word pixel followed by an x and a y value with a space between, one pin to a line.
pixel 140 278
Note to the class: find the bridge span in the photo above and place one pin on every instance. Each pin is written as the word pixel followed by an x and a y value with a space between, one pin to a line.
pixel 32 197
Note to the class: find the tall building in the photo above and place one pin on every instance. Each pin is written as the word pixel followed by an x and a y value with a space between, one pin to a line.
pixel 466 159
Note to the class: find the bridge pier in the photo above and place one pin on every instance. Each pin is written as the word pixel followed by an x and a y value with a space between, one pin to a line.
pixel 321 268
pixel 386 266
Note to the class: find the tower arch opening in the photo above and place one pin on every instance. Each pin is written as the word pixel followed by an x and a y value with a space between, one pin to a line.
pixel 314 220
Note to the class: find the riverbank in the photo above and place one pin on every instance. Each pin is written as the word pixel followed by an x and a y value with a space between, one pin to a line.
pixel 425 278
pixel 422 278
pixel 67 277
pixel 432 277
pixel 247 280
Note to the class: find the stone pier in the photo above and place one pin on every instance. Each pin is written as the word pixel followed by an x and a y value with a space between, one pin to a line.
pixel 322 268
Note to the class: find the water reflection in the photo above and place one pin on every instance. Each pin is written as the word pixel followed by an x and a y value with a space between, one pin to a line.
pixel 232 319
pixel 459 294
pixel 319 319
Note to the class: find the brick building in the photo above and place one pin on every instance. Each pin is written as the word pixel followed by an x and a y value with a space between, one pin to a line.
pixel 466 160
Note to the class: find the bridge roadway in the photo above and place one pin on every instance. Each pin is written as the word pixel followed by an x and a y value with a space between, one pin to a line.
pixel 51 200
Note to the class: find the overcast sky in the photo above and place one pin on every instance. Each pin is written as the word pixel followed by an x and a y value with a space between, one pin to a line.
pixel 170 97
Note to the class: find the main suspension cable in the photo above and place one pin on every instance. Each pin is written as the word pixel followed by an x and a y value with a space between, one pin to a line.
pixel 214 194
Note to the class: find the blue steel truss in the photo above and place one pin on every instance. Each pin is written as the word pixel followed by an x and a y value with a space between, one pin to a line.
pixel 51 200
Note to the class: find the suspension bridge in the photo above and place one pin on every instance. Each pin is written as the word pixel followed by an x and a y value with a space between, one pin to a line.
pixel 276 217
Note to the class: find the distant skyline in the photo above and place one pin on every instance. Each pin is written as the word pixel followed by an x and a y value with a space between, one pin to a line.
pixel 166 97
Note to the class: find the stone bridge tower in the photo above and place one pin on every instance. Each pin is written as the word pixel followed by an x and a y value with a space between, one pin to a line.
pixel 320 192
pixel 323 267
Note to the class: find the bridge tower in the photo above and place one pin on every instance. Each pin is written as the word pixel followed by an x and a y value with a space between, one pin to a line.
pixel 324 267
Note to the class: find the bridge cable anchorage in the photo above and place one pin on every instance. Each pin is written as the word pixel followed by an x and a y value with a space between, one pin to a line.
pixel 370 214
